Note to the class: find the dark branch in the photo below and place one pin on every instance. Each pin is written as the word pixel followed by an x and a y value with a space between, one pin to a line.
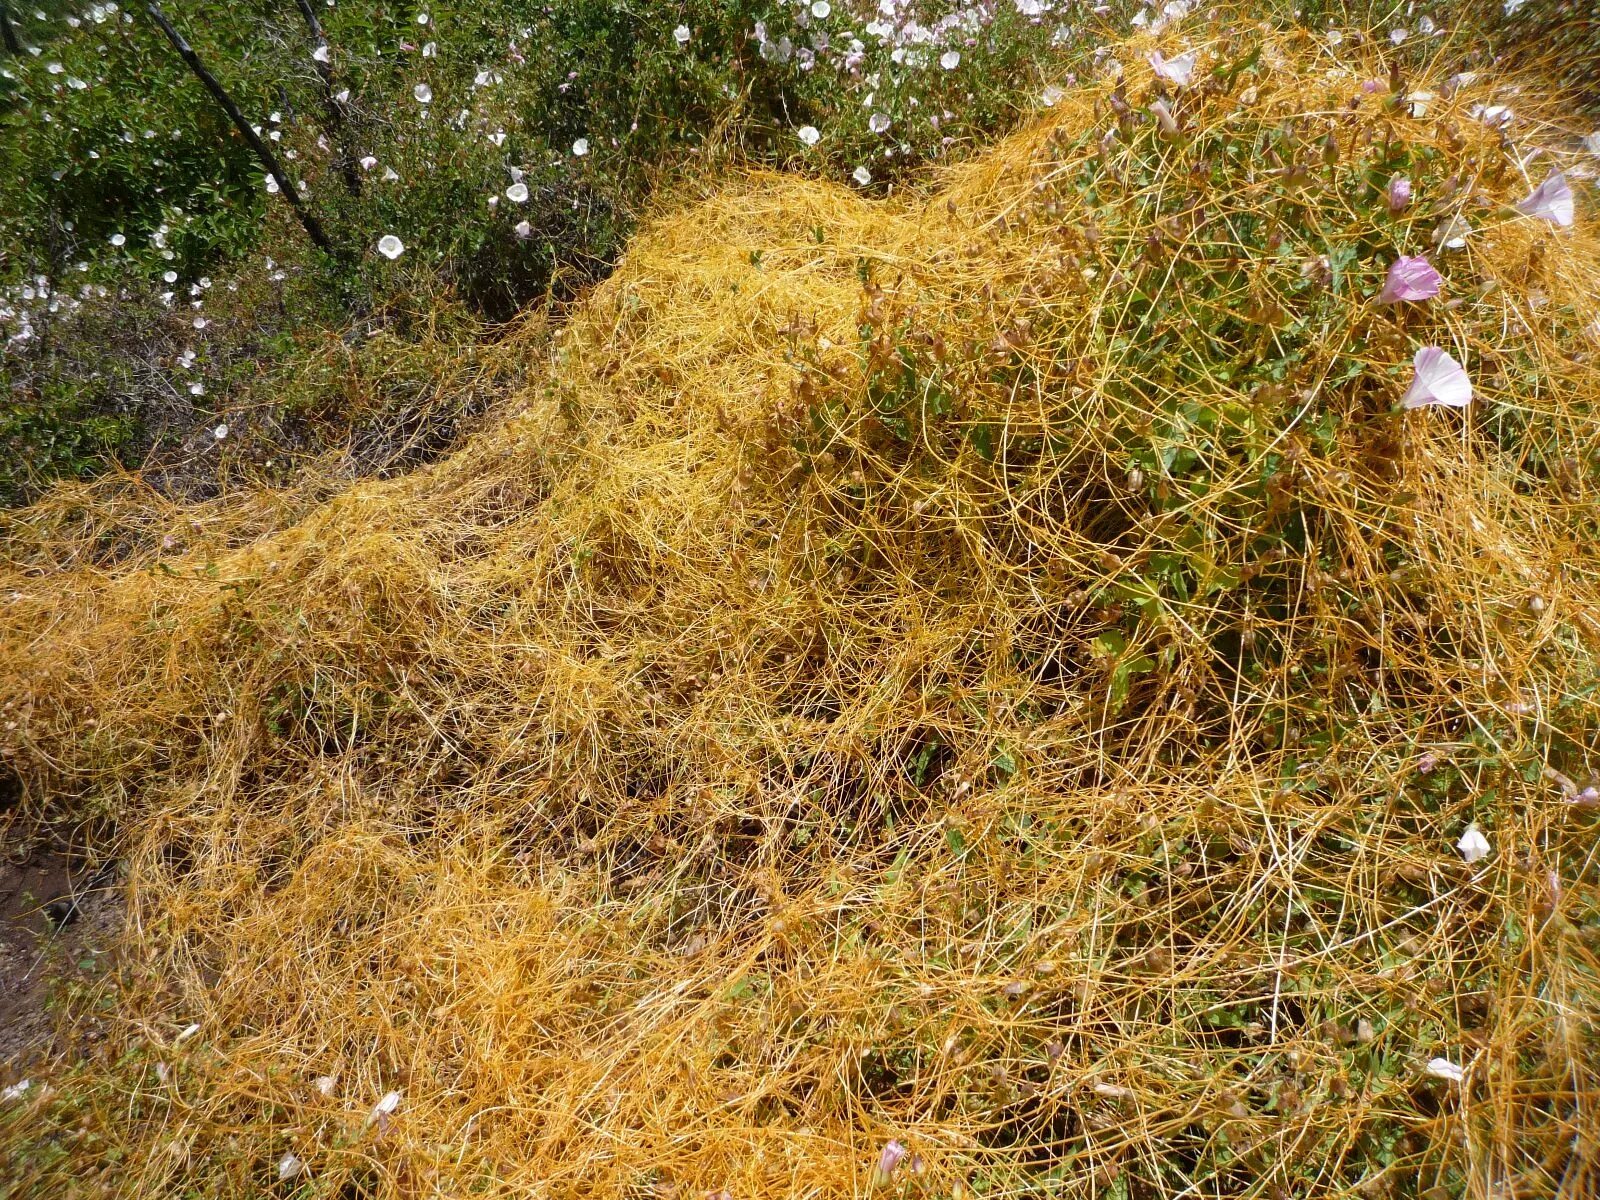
pixel 269 160
pixel 8 33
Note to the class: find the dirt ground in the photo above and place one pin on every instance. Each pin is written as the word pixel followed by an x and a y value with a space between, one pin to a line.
pixel 37 953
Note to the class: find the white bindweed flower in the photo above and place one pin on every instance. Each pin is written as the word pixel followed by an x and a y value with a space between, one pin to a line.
pixel 390 175
pixel 517 193
pixel 1550 201
pixel 879 122
pixel 118 239
pixel 1591 143
pixel 950 60
pixel 429 50
pixel 289 1167
pixel 272 186
pixel 321 54
pixel 16 1091
pixel 423 93
pixel 1178 71
pixel 820 9
pixel 387 1105
pixel 522 229
pixel 1439 379
pixel 197 389
pixel 681 35
pixel 862 176
pixel 390 246
pixel 368 162
pixel 220 432
pixel 808 134
pixel 1452 234
pixel 1443 1068
pixel 580 147
pixel 1474 846
pixel 1051 96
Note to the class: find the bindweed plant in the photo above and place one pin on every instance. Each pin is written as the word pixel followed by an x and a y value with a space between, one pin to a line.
pixel 498 151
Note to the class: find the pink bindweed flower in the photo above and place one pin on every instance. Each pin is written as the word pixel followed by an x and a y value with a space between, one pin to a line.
pixel 1178 71
pixel 1550 201
pixel 1410 279
pixel 1399 193
pixel 1440 379
pixel 890 1159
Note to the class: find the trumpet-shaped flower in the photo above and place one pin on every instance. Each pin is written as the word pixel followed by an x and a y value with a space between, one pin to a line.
pixel 1474 845
pixel 1410 279
pixel 1550 201
pixel 893 1154
pixel 1443 1068
pixel 1178 71
pixel 1439 379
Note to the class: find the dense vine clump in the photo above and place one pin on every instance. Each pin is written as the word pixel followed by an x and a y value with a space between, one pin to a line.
pixel 1080 684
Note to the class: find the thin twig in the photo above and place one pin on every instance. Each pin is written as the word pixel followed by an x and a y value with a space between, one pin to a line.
pixel 337 115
